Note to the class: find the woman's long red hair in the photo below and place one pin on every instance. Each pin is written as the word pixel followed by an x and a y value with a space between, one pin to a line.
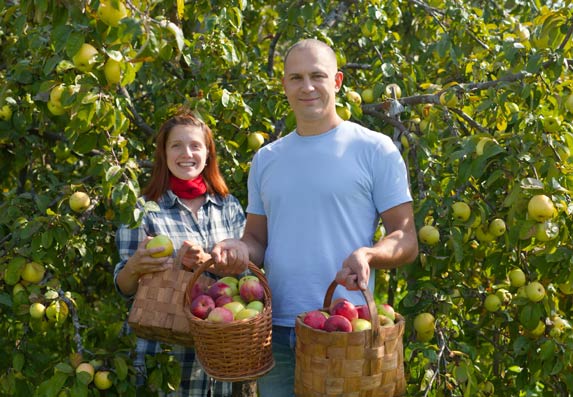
pixel 159 182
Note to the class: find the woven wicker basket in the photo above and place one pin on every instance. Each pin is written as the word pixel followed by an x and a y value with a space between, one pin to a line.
pixel 351 364
pixel 236 351
pixel 157 311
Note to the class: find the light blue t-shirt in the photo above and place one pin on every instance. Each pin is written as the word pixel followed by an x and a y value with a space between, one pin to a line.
pixel 322 196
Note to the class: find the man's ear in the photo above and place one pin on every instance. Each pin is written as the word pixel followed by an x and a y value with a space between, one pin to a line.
pixel 338 78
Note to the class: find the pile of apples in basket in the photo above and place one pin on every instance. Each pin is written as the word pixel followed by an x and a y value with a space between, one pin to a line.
pixel 344 316
pixel 229 299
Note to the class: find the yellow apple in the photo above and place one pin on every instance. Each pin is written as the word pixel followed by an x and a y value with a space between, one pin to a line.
pixel 102 380
pixel 56 94
pixel 353 97
pixel 33 272
pixel 461 211
pixel 161 241
pixel 255 140
pixel 546 231
pixel 483 235
pixel 392 89
pixel 235 307
pixel 246 314
pixel 88 369
pixel 37 310
pixel 540 208
pixel 84 58
pixel 429 234
pixel 424 325
pixel 343 112
pixel 110 15
pixel 492 303
pixel 112 71
pixel 360 324
pixel 79 202
pixel 551 124
pixel 368 95
pixel 5 112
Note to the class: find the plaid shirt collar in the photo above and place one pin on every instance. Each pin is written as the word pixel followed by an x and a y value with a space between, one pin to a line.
pixel 168 200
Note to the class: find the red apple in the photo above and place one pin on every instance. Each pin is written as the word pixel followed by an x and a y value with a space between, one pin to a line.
pixel 197 290
pixel 223 300
pixel 387 310
pixel 252 290
pixel 334 303
pixel 202 305
pixel 345 308
pixel 220 315
pixel 363 312
pixel 315 319
pixel 219 289
pixel 336 322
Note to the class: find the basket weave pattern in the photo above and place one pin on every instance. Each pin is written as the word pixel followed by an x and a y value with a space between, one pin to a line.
pixel 351 364
pixel 157 311
pixel 236 351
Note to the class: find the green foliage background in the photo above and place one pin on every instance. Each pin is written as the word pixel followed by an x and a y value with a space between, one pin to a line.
pixel 224 60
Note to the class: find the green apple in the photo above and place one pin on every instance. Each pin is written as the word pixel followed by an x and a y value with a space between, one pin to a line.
pixel 246 278
pixel 246 314
pixel 424 325
pixel 18 287
pixel 521 293
pixel 110 15
pixel 112 71
pixel 540 208
pixel 486 389
pixel 461 211
pixel 343 112
pixel 79 202
pixel 392 89
pixel 88 369
pixel 546 231
pixel 33 272
pixel 256 305
pixel 84 58
pixel 255 140
pixel 569 103
pixel 449 99
pixel 538 330
pixel 102 380
pixel 232 282
pixel 535 291
pixel 57 312
pixel 503 295
pixel 517 278
pixel 37 310
pixel 360 324
pixel 56 109
pixel 234 307
pixel 497 227
pixel 551 124
pixel 492 303
pixel 5 112
pixel 353 97
pixel 368 95
pixel 566 287
pixel 483 235
pixel 429 235
pixel 160 241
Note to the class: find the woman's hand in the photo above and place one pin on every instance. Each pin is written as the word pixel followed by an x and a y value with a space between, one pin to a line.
pixel 141 262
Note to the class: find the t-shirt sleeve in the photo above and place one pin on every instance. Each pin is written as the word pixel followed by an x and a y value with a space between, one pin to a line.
pixel 255 203
pixel 391 185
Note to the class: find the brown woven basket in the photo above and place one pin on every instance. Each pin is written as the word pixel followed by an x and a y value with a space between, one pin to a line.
pixel 157 311
pixel 350 364
pixel 236 351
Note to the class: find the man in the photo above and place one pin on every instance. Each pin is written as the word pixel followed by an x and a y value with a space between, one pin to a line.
pixel 315 200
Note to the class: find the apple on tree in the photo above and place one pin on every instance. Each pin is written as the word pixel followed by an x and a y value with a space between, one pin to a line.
pixel 540 208
pixel 79 202
pixel 37 310
pixel 497 227
pixel 535 291
pixel 461 211
pixel 517 278
pixel 424 325
pixel 5 112
pixel 86 371
pixel 255 140
pixel 112 71
pixel 110 15
pixel 393 90
pixel 429 234
pixel 353 97
pixel 368 95
pixel 102 380
pixel 492 303
pixel 85 57
pixel 33 272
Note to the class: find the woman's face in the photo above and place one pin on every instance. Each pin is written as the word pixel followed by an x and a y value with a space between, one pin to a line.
pixel 186 151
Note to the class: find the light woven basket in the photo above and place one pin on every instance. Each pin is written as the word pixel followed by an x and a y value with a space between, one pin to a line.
pixel 236 351
pixel 157 310
pixel 366 363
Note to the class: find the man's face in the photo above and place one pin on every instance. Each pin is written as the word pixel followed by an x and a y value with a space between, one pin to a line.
pixel 311 81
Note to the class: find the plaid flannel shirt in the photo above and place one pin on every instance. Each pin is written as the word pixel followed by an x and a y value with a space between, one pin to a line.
pixel 217 219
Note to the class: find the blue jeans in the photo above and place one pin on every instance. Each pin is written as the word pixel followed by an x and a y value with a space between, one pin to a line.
pixel 279 382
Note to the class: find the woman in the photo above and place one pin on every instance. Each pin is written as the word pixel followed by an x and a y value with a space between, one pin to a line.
pixel 196 211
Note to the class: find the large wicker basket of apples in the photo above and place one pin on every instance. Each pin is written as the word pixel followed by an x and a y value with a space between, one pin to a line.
pixel 349 350
pixel 231 324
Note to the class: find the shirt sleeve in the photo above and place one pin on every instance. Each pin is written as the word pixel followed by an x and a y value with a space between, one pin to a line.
pixel 127 240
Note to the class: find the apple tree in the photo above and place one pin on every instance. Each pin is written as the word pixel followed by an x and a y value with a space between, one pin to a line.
pixel 478 96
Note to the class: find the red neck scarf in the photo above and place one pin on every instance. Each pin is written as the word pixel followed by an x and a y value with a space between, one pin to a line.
pixel 187 189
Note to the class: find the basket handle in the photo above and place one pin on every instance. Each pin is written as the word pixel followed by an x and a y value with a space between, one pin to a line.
pixel 207 264
pixel 371 308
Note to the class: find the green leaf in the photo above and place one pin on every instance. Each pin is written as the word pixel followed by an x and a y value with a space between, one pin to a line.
pixel 14 270
pixel 530 315
pixel 52 386
pixel 121 367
